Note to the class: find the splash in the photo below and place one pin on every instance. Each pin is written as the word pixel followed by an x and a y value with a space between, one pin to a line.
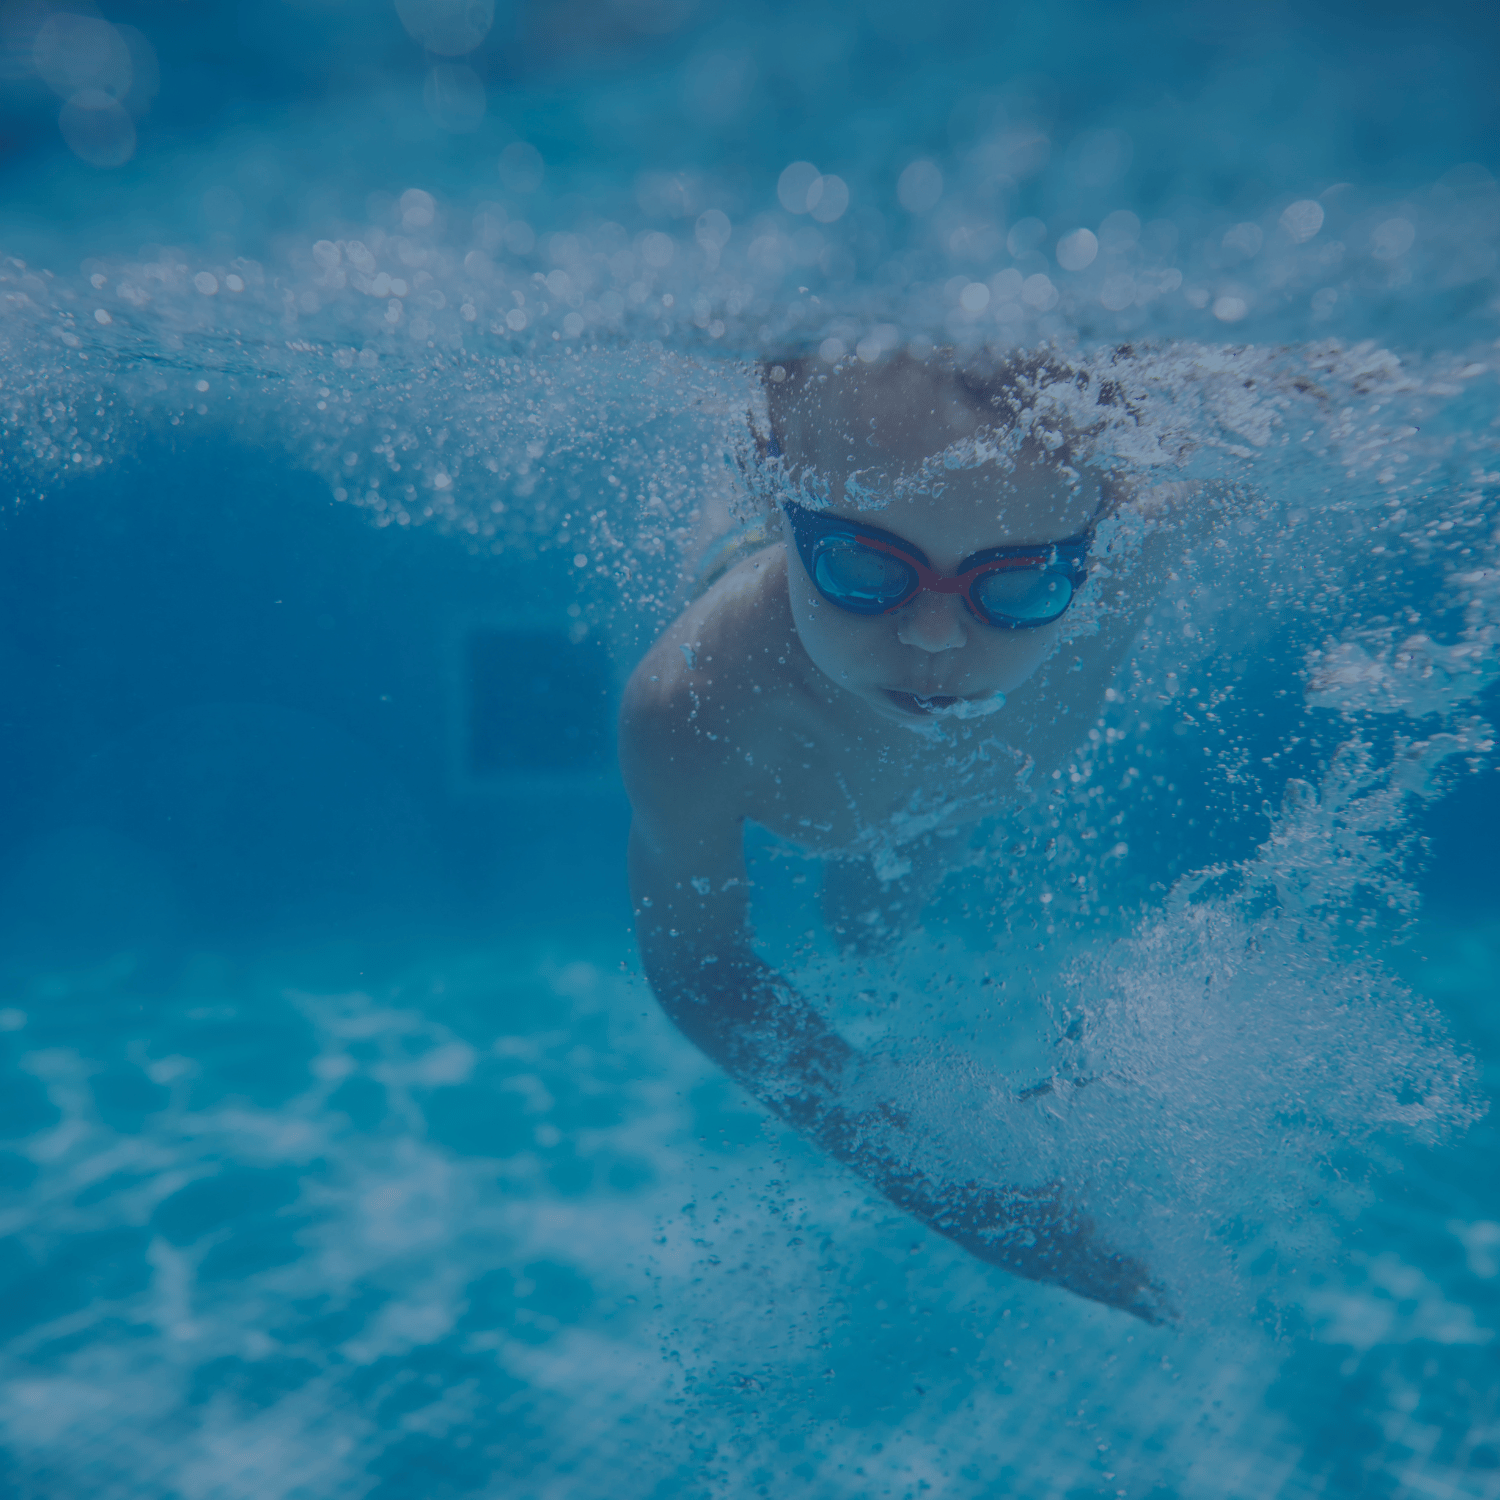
pixel 1245 1040
pixel 1213 1087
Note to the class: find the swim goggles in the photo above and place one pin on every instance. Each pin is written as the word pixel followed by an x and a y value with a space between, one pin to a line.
pixel 872 572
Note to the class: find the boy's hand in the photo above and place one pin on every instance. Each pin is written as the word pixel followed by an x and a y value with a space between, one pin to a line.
pixel 1036 1233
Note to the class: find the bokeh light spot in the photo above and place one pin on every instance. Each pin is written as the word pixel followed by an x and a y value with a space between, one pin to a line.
pixel 713 228
pixel 794 188
pixel 97 128
pixel 1037 291
pixel 76 53
pixel 448 27
pixel 1392 239
pixel 145 80
pixel 919 187
pixel 1230 309
pixel 1302 219
pixel 1077 250
pixel 1243 240
pixel 1026 236
pixel 828 199
pixel 1005 286
pixel 418 209
pixel 657 249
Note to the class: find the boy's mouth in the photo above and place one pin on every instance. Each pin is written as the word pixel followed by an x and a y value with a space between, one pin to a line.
pixel 945 705
pixel 918 703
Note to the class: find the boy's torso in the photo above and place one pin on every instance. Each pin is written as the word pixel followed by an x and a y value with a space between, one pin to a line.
pixel 789 750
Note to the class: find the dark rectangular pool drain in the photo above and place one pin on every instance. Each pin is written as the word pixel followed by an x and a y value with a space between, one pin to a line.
pixel 537 702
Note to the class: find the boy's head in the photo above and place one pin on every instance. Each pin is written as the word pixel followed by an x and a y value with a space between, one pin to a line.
pixel 955 462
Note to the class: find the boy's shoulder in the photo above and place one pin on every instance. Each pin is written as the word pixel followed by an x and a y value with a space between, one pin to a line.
pixel 711 683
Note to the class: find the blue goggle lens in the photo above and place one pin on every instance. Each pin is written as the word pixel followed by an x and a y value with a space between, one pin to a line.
pixel 859 578
pixel 1031 596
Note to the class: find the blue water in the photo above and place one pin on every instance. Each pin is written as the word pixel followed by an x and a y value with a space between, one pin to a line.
pixel 345 1151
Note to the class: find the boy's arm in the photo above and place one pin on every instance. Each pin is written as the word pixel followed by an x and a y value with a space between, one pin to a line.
pixel 689 885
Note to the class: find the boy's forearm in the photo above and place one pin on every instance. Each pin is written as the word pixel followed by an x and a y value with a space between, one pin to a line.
pixel 742 1014
pixel 770 1040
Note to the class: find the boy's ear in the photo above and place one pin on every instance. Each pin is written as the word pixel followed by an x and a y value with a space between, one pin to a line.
pixel 766 445
pixel 757 437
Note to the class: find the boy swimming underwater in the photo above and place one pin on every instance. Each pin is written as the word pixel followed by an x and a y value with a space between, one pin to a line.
pixel 819 689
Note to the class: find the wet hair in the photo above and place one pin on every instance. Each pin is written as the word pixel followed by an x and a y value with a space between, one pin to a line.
pixel 1051 403
pixel 1054 399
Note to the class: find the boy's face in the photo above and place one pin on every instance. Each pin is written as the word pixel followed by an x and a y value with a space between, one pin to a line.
pixel 879 425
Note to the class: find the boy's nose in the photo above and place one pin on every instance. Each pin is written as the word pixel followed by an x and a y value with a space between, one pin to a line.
pixel 933 622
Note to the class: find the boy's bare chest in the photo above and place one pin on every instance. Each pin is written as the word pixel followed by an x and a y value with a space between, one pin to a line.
pixel 835 792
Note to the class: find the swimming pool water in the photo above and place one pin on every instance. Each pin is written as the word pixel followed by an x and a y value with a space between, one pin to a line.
pixel 345 1152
